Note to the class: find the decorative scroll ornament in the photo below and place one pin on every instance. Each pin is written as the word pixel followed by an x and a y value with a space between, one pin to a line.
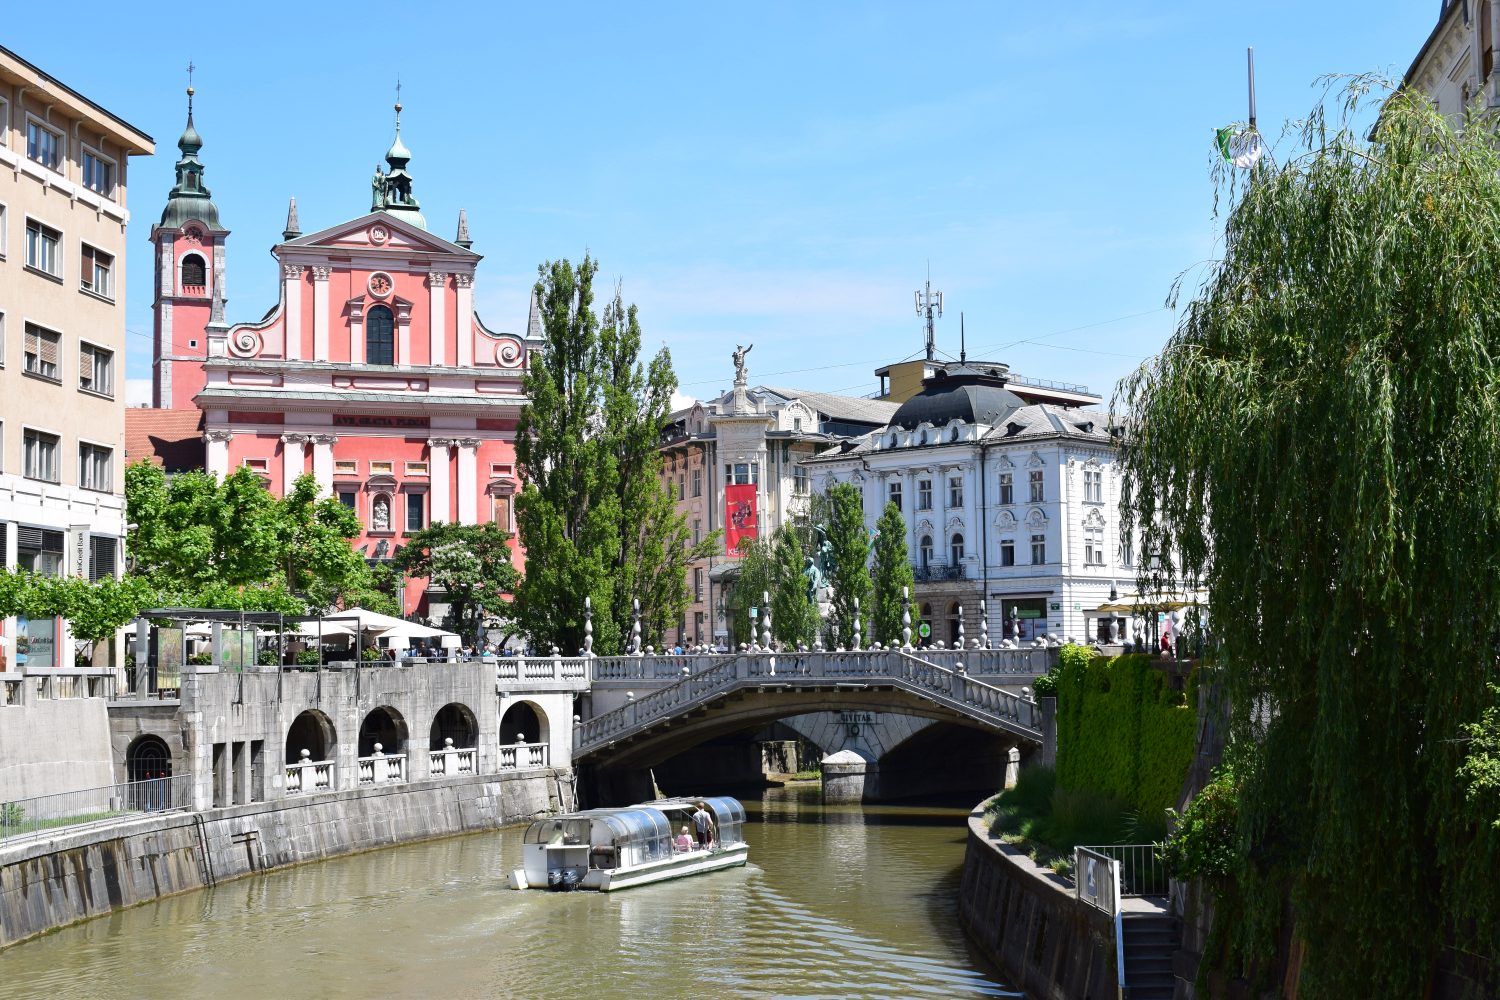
pixel 245 343
pixel 508 353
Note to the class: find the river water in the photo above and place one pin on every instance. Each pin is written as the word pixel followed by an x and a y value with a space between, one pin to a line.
pixel 837 901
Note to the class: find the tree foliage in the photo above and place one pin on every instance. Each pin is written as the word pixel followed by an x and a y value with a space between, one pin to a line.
pixel 594 516
pixel 795 618
pixel 892 577
pixel 849 572
pixel 471 563
pixel 1318 442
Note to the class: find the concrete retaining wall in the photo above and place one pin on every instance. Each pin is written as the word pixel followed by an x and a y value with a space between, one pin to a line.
pixel 54 745
pixel 1028 922
pixel 53 881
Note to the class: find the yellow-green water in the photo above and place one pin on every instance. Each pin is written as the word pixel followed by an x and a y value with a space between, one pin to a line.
pixel 838 901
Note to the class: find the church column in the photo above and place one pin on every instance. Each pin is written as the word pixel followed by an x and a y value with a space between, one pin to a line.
pixel 216 459
pixel 291 282
pixel 468 486
pixel 320 312
pixel 437 281
pixel 437 472
pixel 464 319
pixel 293 453
pixel 323 461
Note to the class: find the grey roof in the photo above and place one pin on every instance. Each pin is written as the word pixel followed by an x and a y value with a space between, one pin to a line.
pixel 1032 422
pixel 849 408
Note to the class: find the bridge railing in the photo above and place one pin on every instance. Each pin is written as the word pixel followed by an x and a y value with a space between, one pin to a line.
pixel 541 668
pixel 951 687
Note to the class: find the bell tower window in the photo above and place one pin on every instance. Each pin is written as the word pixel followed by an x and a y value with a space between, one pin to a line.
pixel 194 274
pixel 380 336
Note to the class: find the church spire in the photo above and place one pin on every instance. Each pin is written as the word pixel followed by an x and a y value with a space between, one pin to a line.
pixel 293 227
pixel 391 190
pixel 189 198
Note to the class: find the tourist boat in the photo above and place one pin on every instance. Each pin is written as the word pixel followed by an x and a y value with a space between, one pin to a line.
pixel 607 849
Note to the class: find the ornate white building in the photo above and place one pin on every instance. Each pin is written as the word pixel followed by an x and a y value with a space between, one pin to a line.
pixel 1457 62
pixel 1010 494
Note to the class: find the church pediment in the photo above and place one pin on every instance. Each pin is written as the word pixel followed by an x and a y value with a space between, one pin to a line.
pixel 378 232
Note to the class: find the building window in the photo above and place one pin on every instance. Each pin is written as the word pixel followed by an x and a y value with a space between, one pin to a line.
pixel 416 468
pixel 40 456
pixel 697 482
pixel 345 467
pixel 4 222
pixel 956 548
pixel 415 511
pixel 194 274
pixel 2 340
pixel 380 336
pixel 42 351
pixel 799 480
pixel 98 174
pixel 1038 550
pixel 698 584
pixel 96 369
pixel 500 512
pixel 697 530
pixel 1093 486
pixel 96 468
pixel 1038 493
pixel 681 487
pixel 42 243
pixel 741 473
pixel 925 551
pixel 1007 490
pixel 1093 546
pixel 349 499
pixel 43 145
pixel 97 273
pixel 893 493
pixel 103 557
pixel 380 513
pixel 39 551
pixel 382 468
pixel 924 494
pixel 1127 552
pixel 1007 552
pixel 955 491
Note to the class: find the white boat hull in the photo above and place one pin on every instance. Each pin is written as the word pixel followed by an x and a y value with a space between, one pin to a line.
pixel 680 866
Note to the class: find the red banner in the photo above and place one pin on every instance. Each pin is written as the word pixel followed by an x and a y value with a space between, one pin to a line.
pixel 739 516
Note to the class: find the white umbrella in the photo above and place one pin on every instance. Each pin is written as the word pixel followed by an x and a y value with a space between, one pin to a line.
pixel 411 630
pixel 331 630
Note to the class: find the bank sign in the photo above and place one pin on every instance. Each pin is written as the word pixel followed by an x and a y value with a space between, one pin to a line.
pixel 36 642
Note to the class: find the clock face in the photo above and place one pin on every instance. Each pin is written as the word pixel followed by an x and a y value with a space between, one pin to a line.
pixel 380 284
pixel 378 235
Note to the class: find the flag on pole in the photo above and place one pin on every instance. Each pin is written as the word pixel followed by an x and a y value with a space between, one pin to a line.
pixel 1242 147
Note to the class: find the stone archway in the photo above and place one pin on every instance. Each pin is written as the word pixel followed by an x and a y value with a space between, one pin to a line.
pixel 146 758
pixel 524 720
pixel 314 732
pixel 385 726
pixel 456 722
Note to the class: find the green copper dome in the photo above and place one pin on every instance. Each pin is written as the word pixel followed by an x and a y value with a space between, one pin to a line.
pixel 189 198
pixel 391 192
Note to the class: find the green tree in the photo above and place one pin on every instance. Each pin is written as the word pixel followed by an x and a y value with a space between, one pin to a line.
pixel 1317 443
pixel 755 577
pixel 471 563
pixel 594 516
pixel 794 618
pixel 849 570
pixel 892 577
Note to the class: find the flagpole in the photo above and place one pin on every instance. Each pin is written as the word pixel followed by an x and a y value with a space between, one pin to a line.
pixel 1250 71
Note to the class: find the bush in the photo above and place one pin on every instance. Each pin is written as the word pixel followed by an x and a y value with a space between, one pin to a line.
pixel 269 658
pixel 1084 816
pixel 371 653
pixel 1045 686
pixel 308 658
pixel 201 659
pixel 1206 843
pixel 12 814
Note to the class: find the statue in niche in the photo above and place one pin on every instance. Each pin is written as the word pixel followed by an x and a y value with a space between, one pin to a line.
pixel 380 514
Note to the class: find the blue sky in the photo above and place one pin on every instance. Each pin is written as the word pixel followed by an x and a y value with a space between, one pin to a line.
pixel 781 174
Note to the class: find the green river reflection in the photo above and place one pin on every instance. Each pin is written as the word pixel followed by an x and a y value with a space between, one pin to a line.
pixel 836 902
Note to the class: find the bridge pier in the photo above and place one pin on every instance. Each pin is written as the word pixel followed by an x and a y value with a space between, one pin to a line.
pixel 850 776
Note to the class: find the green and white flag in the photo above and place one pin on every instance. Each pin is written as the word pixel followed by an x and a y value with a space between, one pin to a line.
pixel 1241 146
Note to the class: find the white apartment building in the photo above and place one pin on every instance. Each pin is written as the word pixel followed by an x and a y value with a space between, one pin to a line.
pixel 1457 62
pixel 63 216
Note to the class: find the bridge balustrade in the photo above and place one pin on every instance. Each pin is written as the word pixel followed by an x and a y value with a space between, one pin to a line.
pixel 541 668
pixel 382 768
pixel 309 775
pixel 452 760
pixel 523 756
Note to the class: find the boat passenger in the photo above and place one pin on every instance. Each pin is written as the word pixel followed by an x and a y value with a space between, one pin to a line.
pixel 684 841
pixel 703 825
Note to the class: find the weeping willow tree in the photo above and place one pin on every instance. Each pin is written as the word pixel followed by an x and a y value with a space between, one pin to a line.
pixel 1320 443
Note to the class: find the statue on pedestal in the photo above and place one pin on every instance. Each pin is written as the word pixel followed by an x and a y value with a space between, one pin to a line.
pixel 739 362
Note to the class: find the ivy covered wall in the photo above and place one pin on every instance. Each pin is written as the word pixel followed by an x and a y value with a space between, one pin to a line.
pixel 1121 730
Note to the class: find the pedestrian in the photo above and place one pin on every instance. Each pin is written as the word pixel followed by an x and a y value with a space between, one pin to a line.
pixel 703 826
pixel 683 842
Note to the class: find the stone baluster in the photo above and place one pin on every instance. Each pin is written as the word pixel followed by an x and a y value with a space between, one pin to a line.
pixel 857 626
pixel 906 618
pixel 984 627
pixel 958 643
pixel 635 629
pixel 765 619
pixel 588 626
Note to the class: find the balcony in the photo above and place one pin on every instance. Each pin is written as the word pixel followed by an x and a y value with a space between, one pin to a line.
pixel 936 572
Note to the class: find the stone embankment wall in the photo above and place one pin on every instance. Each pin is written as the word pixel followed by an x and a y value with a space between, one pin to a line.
pixel 1029 923
pixel 52 881
pixel 54 745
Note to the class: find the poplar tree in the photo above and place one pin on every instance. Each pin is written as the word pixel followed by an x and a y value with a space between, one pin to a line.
pixel 849 569
pixel 795 616
pixel 594 516
pixel 892 576
pixel 1318 442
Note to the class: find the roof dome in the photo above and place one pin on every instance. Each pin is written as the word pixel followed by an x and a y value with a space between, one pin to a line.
pixel 966 395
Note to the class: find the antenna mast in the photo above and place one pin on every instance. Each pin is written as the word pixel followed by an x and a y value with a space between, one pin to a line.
pixel 929 304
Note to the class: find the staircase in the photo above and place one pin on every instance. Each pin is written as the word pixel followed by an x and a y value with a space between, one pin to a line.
pixel 1150 941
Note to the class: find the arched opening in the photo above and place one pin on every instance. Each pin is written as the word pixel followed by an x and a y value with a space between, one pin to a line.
pixel 385 726
pixel 955 615
pixel 454 722
pixel 148 768
pixel 194 272
pixel 380 336
pixel 311 731
pixel 380 513
pixel 523 720
pixel 956 548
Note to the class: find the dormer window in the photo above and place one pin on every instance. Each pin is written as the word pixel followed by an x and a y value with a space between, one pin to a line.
pixel 380 336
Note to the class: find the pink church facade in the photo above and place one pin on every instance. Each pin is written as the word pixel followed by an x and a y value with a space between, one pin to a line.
pixel 372 371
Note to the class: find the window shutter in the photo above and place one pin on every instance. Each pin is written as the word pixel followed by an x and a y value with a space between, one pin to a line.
pixel 28 537
pixel 48 343
pixel 88 267
pixel 102 557
pixel 33 341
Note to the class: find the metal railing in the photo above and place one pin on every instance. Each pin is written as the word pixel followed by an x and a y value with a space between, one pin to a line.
pixel 936 571
pixel 1096 879
pixel 523 756
pixel 954 690
pixel 20 817
pixel 1142 870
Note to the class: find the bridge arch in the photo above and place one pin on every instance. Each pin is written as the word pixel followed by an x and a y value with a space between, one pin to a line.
pixel 386 726
pixel 525 720
pixel 454 721
pixel 314 732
